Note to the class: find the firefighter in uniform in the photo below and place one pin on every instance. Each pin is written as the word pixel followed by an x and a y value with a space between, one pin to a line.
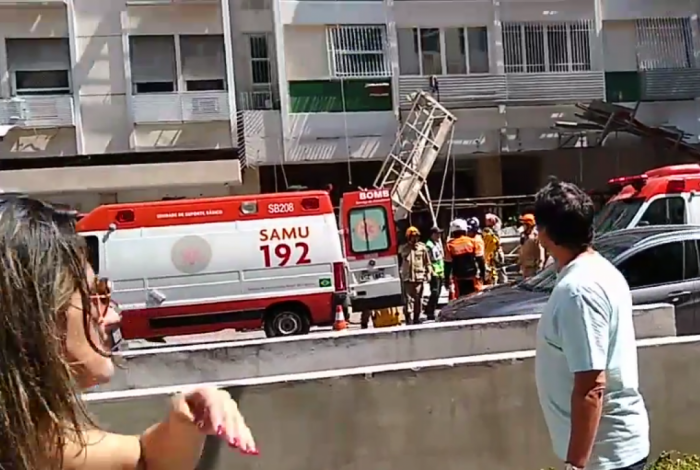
pixel 462 263
pixel 493 251
pixel 474 232
pixel 531 255
pixel 415 271
pixel 437 257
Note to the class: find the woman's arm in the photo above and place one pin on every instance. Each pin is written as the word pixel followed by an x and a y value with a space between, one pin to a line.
pixel 176 443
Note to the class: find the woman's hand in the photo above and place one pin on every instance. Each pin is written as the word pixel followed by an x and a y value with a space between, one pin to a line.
pixel 214 412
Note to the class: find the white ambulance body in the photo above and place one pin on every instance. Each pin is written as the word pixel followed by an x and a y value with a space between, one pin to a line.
pixel 198 266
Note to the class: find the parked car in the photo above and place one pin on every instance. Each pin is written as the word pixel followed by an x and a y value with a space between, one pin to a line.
pixel 660 263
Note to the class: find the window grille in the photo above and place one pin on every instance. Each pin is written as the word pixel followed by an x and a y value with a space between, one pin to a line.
pixel 547 47
pixel 664 43
pixel 358 51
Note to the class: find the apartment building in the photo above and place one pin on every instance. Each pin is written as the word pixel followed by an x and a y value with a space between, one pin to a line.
pixel 145 99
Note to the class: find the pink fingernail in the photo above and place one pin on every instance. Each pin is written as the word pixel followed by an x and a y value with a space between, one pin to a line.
pixel 220 431
pixel 234 443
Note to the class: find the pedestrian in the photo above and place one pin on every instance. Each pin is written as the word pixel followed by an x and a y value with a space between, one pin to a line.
pixel 415 271
pixel 462 265
pixel 57 336
pixel 493 251
pixel 586 363
pixel 531 255
pixel 437 257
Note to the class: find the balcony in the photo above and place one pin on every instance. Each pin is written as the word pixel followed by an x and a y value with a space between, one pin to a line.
pixel 37 111
pixel 653 85
pixel 555 88
pixel 182 107
pixel 477 91
pixel 459 91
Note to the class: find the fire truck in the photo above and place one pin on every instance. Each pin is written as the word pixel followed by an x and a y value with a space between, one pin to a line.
pixel 662 196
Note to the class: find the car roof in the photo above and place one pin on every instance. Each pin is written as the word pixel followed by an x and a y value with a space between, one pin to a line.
pixel 645 235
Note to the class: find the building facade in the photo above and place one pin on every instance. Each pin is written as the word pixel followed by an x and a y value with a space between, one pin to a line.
pixel 121 100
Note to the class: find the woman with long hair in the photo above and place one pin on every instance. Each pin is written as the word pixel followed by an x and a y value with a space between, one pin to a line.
pixel 55 342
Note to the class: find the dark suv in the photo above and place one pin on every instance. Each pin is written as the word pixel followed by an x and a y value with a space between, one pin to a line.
pixel 661 265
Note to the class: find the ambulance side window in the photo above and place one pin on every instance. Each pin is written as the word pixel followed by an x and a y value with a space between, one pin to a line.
pixel 368 230
pixel 93 247
pixel 665 211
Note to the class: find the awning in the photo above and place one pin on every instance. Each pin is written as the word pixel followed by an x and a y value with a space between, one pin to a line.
pixel 122 177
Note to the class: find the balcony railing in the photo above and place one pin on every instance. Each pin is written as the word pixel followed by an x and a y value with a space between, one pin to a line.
pixel 475 91
pixel 261 100
pixel 458 91
pixel 202 106
pixel 37 111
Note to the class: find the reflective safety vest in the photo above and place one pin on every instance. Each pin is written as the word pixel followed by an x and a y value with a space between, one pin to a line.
pixel 437 256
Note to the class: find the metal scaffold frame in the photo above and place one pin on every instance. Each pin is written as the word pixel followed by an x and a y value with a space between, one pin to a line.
pixel 426 129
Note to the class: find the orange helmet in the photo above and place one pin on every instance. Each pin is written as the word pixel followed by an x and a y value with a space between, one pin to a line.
pixel 527 219
pixel 412 231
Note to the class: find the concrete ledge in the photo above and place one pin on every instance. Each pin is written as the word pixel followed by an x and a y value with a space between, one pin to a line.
pixel 243 359
pixel 474 413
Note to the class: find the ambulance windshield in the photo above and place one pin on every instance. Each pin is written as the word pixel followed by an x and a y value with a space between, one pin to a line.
pixel 368 230
pixel 617 215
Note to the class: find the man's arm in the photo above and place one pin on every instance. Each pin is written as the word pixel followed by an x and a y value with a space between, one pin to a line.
pixel 481 263
pixel 584 321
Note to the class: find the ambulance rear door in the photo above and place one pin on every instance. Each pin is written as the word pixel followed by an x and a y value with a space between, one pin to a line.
pixel 370 244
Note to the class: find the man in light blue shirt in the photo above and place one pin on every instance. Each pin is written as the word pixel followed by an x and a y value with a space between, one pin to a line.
pixel 586 365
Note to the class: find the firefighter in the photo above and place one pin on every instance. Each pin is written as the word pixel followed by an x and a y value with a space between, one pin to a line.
pixel 531 255
pixel 437 257
pixel 461 261
pixel 493 251
pixel 415 271
pixel 474 232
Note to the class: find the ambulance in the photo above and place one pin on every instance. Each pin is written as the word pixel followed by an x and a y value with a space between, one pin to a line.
pixel 274 261
pixel 664 196
pixel 370 241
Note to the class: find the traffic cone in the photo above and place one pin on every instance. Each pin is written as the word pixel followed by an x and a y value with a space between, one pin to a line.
pixel 340 323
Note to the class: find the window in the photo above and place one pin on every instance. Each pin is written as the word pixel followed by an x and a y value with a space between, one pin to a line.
pixel 617 215
pixel 39 66
pixel 153 65
pixel 692 262
pixel 662 264
pixel 203 62
pixel 547 47
pixel 665 211
pixel 447 51
pixel 260 66
pixel 93 248
pixel 358 51
pixel 368 230
pixel 664 43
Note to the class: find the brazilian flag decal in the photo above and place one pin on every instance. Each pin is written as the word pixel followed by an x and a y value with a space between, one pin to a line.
pixel 325 282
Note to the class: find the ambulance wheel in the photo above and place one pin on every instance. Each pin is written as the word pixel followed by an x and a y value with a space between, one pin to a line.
pixel 287 320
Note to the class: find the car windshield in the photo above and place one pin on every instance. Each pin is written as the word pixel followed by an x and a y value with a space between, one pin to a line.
pixel 545 280
pixel 617 215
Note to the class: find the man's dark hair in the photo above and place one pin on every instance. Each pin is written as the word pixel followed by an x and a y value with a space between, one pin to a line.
pixel 566 213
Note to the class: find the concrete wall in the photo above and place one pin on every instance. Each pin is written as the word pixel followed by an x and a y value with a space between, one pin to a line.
pixel 477 413
pixel 236 360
